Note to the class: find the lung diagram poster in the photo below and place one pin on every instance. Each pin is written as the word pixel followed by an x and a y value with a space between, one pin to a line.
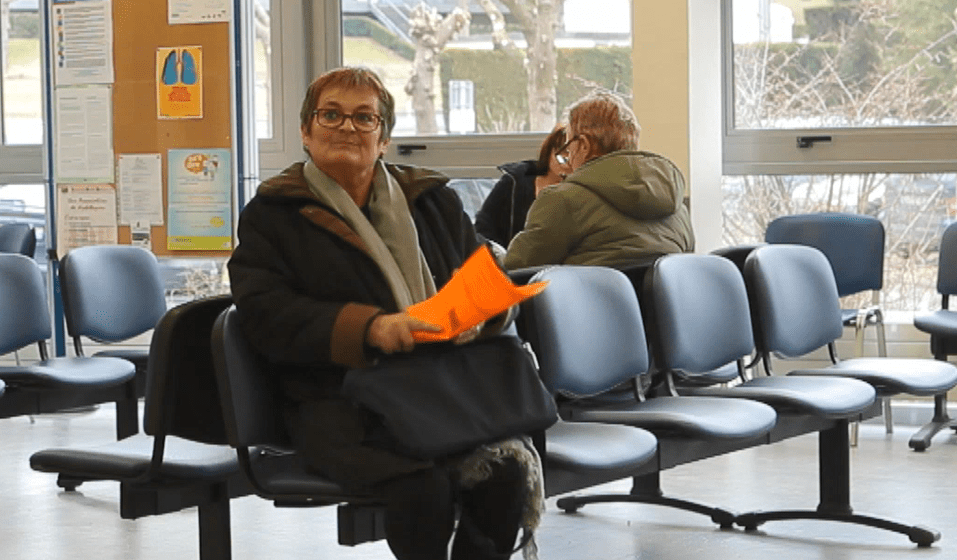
pixel 179 82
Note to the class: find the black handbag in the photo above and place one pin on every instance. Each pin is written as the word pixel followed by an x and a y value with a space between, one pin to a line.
pixel 442 399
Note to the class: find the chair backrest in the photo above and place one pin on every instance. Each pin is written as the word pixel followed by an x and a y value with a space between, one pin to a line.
pixel 794 302
pixel 947 262
pixel 852 243
pixel 18 238
pixel 701 313
pixel 182 398
pixel 737 254
pixel 250 397
pixel 111 292
pixel 586 330
pixel 24 316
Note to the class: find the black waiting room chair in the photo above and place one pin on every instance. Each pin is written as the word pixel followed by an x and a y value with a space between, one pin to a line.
pixel 942 324
pixel 587 332
pixel 795 305
pixel 53 384
pixel 112 293
pixel 181 459
pixel 704 335
pixel 253 421
pixel 577 455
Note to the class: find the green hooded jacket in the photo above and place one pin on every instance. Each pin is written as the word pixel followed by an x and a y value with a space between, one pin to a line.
pixel 616 210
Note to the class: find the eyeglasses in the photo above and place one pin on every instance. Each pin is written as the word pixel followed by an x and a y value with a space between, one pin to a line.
pixel 561 154
pixel 363 121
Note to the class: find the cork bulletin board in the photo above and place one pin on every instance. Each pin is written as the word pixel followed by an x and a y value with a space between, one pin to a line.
pixel 141 31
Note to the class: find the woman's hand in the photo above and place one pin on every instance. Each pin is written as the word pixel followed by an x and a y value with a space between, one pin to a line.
pixel 393 333
pixel 469 335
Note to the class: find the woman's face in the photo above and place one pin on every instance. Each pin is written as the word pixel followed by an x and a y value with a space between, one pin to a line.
pixel 330 148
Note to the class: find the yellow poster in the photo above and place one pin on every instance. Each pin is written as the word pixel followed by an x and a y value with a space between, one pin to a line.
pixel 179 82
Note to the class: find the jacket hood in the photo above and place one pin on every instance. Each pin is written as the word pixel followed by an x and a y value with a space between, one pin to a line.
pixel 642 185
pixel 291 182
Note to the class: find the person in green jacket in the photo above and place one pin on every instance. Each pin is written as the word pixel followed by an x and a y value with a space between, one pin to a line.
pixel 618 207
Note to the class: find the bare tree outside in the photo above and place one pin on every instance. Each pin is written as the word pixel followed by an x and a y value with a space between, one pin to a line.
pixel 431 32
pixel 539 22
pixel 869 63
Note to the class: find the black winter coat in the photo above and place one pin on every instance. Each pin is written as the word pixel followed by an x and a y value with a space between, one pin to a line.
pixel 503 213
pixel 306 287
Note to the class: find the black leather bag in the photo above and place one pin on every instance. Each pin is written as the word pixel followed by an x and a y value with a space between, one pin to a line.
pixel 442 399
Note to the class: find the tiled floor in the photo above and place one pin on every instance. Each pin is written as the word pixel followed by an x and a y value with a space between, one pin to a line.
pixel 40 522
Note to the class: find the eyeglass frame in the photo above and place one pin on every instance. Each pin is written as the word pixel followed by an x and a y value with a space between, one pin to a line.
pixel 347 116
pixel 560 156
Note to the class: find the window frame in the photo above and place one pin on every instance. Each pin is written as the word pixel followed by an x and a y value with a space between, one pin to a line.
pixel 917 149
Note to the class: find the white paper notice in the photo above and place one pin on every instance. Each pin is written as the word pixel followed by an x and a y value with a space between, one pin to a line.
pixel 86 215
pixel 84 135
pixel 140 183
pixel 198 11
pixel 83 43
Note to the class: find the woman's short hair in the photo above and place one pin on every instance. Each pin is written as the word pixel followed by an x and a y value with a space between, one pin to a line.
pixel 606 119
pixel 554 140
pixel 350 77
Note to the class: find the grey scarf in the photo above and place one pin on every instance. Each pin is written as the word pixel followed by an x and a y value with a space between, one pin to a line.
pixel 389 233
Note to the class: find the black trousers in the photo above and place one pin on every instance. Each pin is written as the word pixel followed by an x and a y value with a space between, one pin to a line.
pixel 420 514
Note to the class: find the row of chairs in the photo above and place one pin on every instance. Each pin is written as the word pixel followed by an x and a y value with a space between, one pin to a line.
pixel 701 331
pixel 579 452
pixel 588 332
pixel 854 247
pixel 110 294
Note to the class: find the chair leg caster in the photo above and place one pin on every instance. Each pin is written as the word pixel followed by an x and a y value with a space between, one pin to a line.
pixel 567 505
pixel 922 536
pixel 68 484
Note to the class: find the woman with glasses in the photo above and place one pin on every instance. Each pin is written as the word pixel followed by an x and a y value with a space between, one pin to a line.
pixel 502 215
pixel 331 251
pixel 617 207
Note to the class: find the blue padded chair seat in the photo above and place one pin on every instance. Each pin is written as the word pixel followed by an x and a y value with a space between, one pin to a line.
pixel 138 356
pixel 70 373
pixel 942 323
pixel 831 397
pixel 130 458
pixel 914 376
pixel 699 417
pixel 590 447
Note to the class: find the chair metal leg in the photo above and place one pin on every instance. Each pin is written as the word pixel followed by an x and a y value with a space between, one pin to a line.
pixel 834 473
pixel 646 489
pixel 882 352
pixel 215 537
pixel 920 441
pixel 859 326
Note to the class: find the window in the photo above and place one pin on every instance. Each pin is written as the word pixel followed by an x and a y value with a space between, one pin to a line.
pixel 262 68
pixel 462 75
pixel 914 208
pixel 26 204
pixel 840 85
pixel 519 61
pixel 21 105
pixel 850 106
